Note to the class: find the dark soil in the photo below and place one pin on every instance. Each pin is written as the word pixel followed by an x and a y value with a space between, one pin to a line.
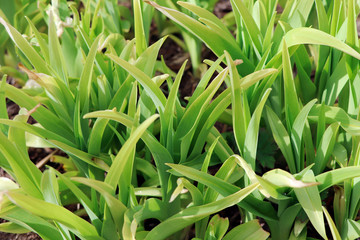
pixel 174 56
pixel 222 8
pixel 12 109
pixel 25 236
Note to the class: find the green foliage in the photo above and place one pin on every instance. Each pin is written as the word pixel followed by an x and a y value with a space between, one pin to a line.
pixel 286 83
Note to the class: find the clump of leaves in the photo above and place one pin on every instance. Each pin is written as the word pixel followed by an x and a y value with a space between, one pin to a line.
pixel 137 154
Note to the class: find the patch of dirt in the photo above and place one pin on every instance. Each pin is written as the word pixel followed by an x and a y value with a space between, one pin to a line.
pixel 222 7
pixel 25 236
pixel 174 56
pixel 12 109
pixel 4 174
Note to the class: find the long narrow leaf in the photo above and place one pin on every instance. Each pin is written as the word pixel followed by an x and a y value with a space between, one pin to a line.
pixel 193 214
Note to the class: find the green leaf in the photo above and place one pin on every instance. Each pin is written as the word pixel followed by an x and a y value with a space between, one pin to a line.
pixel 334 232
pixel 247 231
pixel 190 120
pixel 42 43
pixel 282 178
pixel 117 209
pixel 251 138
pixel 322 18
pixel 325 148
pixel 281 138
pixel 50 187
pixel 309 198
pixel 27 175
pixel 196 195
pixel 35 59
pixel 292 107
pixel 352 65
pixel 117 167
pixel 282 228
pixel 249 23
pixel 57 61
pixel 150 87
pixel 351 230
pixel 139 28
pixel 46 230
pixel 254 77
pixel 96 136
pixel 169 112
pixel 239 108
pixel 3 105
pixel 333 177
pixel 204 14
pixel 224 188
pixel 97 162
pixel 159 152
pixel 335 83
pixel 227 169
pixel 217 42
pixel 200 88
pixel 17 135
pixel 216 109
pixel 303 35
pixel 10 227
pixel 297 131
pixel 196 213
pixel 266 187
pixel 205 165
pixel 86 74
pixel 41 208
pixel 43 115
pixel 217 227
pixel 83 199
pixel 336 114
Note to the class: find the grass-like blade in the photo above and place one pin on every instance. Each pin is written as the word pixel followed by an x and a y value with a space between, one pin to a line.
pixel 11 227
pixel 193 214
pixel 247 231
pixel 251 138
pixel 39 207
pixel 216 43
pixel 27 176
pixel 139 28
pixel 117 167
pixel 150 87
pixel 46 230
pixel 297 131
pixel 303 35
pixel 292 107
pixel 42 43
pixel 333 177
pixel 309 198
pixel 116 208
pixel 336 114
pixel 334 232
pixel 249 22
pixel 57 61
pixel 36 60
pixel 224 188
pixel 325 148
pixel 87 72
pixel 282 138
pixel 240 111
